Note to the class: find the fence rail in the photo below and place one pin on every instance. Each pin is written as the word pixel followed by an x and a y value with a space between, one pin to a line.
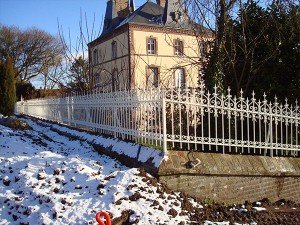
pixel 188 119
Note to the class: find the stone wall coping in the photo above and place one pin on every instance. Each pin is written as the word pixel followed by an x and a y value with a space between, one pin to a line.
pixel 229 165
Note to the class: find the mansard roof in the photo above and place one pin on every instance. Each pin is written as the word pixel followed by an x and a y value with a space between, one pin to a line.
pixel 152 14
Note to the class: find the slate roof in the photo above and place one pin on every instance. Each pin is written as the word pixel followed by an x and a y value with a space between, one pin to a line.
pixel 149 14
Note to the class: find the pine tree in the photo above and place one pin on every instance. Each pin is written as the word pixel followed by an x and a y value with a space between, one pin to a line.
pixel 7 88
pixel 1 86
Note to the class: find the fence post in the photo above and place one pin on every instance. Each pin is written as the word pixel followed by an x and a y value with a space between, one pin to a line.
pixel 23 105
pixel 115 120
pixel 164 120
pixel 68 108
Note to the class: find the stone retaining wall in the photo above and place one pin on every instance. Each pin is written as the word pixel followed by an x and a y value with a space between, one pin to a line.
pixel 232 178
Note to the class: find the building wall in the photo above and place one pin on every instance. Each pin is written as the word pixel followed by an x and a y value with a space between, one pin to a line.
pixel 165 58
pixel 232 178
pixel 132 69
pixel 105 68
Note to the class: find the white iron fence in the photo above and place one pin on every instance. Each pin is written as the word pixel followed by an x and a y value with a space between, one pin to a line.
pixel 188 119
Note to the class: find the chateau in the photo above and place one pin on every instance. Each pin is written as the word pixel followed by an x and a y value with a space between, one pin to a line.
pixel 156 45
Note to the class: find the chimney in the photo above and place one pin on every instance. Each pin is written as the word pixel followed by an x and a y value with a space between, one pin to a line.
pixel 116 10
pixel 162 3
pixel 122 8
pixel 110 15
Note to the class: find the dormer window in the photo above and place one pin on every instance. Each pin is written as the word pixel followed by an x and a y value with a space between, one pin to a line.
pixel 151 46
pixel 176 16
pixel 113 50
pixel 178 47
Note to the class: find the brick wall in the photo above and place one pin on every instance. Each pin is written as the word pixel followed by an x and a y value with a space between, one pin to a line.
pixel 233 178
pixel 122 8
pixel 161 2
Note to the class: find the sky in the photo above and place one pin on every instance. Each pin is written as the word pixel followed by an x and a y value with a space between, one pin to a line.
pixel 45 14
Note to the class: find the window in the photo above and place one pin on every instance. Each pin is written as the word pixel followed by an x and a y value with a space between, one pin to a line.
pixel 152 77
pixel 178 47
pixel 97 79
pixel 95 57
pixel 114 80
pixel 99 56
pixel 179 78
pixel 151 46
pixel 114 50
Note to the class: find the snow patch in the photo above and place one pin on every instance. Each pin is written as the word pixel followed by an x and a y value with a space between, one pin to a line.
pixel 259 209
pixel 55 180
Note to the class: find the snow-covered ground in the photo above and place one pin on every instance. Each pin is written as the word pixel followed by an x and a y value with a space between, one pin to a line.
pixel 51 175
pixel 47 178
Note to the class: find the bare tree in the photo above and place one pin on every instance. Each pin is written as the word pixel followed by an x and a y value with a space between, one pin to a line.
pixel 250 41
pixel 52 76
pixel 214 15
pixel 75 66
pixel 32 50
